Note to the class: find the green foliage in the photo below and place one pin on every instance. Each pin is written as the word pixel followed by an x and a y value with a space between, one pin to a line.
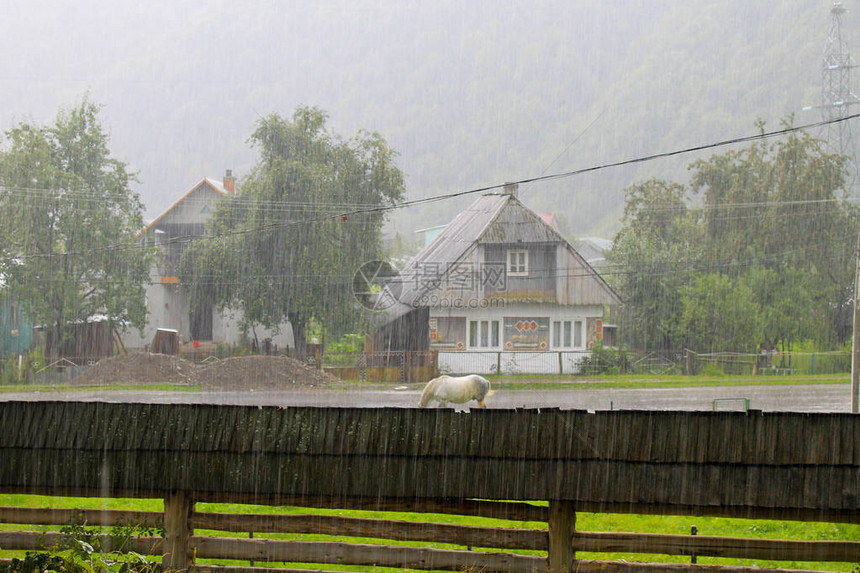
pixel 711 370
pixel 69 222
pixel 767 256
pixel 717 313
pixel 297 264
pixel 657 244
pixel 83 551
pixel 605 361
pixel 32 361
pixel 348 343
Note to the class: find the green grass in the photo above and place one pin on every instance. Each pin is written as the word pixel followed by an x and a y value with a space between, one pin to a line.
pixel 721 527
pixel 509 382
pixel 620 381
pixel 627 381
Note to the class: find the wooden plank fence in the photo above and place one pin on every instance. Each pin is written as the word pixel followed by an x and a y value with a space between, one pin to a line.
pixel 751 465
pixel 507 538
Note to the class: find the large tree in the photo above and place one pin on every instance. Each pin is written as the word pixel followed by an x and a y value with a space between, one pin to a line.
pixel 767 255
pixel 69 219
pixel 283 249
pixel 650 261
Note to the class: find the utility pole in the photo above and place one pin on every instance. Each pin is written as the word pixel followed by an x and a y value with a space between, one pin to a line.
pixel 855 343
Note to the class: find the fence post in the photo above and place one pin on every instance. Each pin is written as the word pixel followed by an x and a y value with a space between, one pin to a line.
pixel 562 527
pixel 693 531
pixel 409 376
pixel 178 507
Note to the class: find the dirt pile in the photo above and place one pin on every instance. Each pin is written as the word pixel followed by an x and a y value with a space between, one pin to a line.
pixel 239 373
pixel 260 372
pixel 138 368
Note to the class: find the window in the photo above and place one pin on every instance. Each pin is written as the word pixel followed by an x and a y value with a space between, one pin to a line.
pixel 518 262
pixel 484 333
pixel 567 334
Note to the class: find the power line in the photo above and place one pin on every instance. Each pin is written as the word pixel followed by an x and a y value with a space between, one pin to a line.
pixel 345 215
pixel 643 159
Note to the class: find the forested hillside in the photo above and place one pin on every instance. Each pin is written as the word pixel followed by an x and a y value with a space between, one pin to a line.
pixel 471 94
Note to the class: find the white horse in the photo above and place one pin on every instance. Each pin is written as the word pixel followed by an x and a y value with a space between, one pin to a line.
pixel 460 390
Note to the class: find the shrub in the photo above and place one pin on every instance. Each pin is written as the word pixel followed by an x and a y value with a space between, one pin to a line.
pixel 605 361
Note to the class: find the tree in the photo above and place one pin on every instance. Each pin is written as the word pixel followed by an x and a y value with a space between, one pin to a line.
pixel 718 314
pixel 283 249
pixel 783 207
pixel 69 223
pixel 768 255
pixel 759 201
pixel 651 258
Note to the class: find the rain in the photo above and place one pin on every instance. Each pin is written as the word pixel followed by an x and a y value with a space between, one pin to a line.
pixel 539 273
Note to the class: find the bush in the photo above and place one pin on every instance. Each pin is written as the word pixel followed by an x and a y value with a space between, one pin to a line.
pixel 605 361
pixel 81 552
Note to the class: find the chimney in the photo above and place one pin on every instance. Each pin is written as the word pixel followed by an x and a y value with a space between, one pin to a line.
pixel 511 189
pixel 230 182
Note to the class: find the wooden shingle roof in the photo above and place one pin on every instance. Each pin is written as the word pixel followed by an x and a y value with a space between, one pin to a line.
pixel 498 218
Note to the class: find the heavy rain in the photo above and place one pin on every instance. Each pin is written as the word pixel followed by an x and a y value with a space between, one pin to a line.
pixel 481 286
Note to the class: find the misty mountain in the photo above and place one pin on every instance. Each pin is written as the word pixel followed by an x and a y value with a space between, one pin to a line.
pixel 471 94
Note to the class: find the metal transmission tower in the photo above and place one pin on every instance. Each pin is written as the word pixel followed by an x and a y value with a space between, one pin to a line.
pixel 836 94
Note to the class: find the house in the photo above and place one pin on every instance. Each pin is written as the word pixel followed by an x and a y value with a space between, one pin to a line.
pixel 427 235
pixel 168 306
pixel 498 290
pixel 593 250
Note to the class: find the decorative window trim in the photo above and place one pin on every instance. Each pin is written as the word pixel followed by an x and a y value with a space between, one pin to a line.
pixel 517 268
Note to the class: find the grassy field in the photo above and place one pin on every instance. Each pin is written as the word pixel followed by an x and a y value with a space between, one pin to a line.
pixel 585 522
pixel 520 382
pixel 541 382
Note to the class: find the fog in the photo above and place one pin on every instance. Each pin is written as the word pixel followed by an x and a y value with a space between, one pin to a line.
pixel 469 95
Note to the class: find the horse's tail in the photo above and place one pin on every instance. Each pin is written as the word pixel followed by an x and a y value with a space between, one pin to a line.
pixel 427 394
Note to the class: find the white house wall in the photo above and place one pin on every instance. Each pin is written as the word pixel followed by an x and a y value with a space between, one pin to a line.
pixel 498 358
pixel 168 308
pixel 489 363
pixel 167 305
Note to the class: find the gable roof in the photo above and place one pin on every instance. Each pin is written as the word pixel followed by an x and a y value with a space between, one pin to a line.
pixel 492 218
pixel 218 187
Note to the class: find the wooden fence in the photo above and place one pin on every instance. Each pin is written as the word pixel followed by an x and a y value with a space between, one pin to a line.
pixel 753 465
pixel 186 522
